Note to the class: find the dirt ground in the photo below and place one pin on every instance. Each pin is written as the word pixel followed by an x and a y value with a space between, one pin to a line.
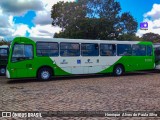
pixel 138 91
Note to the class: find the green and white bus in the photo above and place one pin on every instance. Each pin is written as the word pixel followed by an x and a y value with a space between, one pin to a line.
pixel 4 51
pixel 43 58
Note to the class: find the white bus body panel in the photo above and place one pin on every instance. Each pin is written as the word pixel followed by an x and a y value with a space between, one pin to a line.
pixel 86 65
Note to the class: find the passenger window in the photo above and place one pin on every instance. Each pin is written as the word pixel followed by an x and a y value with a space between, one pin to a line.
pixel 138 50
pixel 70 49
pixel 124 50
pixel 149 50
pixel 107 49
pixel 47 49
pixel 89 49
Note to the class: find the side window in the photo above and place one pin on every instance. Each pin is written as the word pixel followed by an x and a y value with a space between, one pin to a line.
pixel 22 52
pixel 107 49
pixel 124 50
pixel 47 49
pixel 157 51
pixel 157 54
pixel 3 52
pixel 89 49
pixel 149 50
pixel 70 49
pixel 138 50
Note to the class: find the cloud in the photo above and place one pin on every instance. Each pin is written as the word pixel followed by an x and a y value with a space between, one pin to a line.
pixel 5 31
pixel 46 31
pixel 20 30
pixel 49 3
pixel 19 7
pixel 154 23
pixel 42 18
pixel 42 22
pixel 154 13
pixel 4 23
pixel 13 29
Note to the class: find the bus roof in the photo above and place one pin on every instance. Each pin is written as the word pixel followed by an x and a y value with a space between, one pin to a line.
pixel 79 40
pixel 38 39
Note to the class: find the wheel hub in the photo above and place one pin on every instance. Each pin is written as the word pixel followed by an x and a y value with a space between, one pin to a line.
pixel 45 74
pixel 118 71
pixel 2 70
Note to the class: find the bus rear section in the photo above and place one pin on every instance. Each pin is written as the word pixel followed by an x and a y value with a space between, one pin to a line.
pixel 4 51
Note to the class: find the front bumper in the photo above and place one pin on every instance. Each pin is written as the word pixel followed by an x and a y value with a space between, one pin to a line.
pixel 7 73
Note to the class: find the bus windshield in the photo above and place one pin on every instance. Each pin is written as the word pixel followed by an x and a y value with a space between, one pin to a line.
pixel 22 52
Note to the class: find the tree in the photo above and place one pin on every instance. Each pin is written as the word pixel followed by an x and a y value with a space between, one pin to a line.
pixel 130 37
pixel 152 37
pixel 65 14
pixel 92 19
pixel 127 24
pixel 4 42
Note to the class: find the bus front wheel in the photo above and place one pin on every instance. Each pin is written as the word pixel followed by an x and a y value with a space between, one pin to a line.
pixel 44 74
pixel 118 70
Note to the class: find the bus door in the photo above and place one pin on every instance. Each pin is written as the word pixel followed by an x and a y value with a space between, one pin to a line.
pixel 22 60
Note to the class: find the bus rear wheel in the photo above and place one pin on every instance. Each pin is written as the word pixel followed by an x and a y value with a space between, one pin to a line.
pixel 44 74
pixel 2 70
pixel 118 70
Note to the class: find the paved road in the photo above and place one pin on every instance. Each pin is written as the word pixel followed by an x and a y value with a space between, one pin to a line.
pixel 131 92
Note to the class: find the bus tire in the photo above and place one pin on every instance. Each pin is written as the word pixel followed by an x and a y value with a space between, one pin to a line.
pixel 2 70
pixel 118 70
pixel 44 74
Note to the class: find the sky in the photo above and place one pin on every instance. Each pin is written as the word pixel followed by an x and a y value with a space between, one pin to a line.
pixel 31 18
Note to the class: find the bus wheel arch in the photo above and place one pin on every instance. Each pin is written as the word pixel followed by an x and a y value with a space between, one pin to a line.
pixel 44 73
pixel 118 69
